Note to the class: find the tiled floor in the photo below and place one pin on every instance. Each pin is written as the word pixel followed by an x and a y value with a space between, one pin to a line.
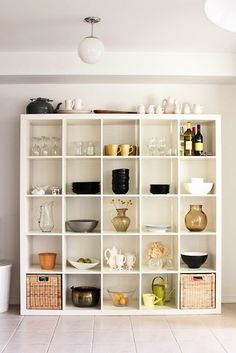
pixel 113 334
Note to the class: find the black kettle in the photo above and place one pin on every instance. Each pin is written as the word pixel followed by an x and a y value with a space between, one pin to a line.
pixel 41 106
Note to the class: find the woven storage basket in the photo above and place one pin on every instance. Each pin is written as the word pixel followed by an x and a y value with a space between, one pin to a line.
pixel 43 292
pixel 198 291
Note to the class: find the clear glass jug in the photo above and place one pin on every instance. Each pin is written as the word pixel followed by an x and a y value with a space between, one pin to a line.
pixel 46 223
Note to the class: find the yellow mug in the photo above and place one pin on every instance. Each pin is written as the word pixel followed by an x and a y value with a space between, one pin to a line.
pixel 112 150
pixel 150 299
pixel 126 150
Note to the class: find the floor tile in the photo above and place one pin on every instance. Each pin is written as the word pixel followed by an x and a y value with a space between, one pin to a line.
pixel 35 337
pixel 101 337
pixel 26 348
pixel 184 322
pixel 148 322
pixel 224 333
pixel 70 348
pixel 201 347
pixel 219 321
pixel 153 335
pixel 114 348
pixel 9 324
pixel 229 345
pixel 79 337
pixel 35 323
pixel 75 323
pixel 188 334
pixel 5 336
pixel 160 347
pixel 112 323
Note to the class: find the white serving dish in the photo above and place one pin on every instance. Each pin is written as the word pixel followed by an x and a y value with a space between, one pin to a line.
pixel 198 188
pixel 82 265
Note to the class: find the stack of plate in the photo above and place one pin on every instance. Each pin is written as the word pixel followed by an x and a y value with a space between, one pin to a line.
pixel 157 228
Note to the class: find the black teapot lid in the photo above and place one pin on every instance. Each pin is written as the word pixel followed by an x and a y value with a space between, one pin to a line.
pixel 40 99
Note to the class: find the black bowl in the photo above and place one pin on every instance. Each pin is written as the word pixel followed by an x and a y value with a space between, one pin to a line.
pixel 159 188
pixel 88 187
pixel 194 259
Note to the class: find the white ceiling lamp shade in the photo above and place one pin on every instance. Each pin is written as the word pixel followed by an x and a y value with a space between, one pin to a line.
pixel 222 13
pixel 91 48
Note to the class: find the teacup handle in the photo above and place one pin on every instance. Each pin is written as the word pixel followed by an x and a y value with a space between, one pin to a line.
pixel 124 259
pixel 134 259
pixel 131 149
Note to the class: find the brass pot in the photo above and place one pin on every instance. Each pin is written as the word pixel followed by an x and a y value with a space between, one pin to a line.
pixel 85 296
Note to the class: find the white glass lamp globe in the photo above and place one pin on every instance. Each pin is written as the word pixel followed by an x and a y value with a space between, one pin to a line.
pixel 222 13
pixel 90 50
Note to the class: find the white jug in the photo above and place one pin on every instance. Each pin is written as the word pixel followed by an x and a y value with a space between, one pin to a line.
pixel 110 256
pixel 168 105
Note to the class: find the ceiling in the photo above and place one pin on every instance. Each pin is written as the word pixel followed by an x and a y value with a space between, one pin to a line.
pixel 127 25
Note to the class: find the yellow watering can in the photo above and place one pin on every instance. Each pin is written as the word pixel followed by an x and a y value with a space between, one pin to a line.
pixel 159 289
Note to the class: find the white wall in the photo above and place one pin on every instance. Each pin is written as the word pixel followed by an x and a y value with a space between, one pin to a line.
pixel 14 98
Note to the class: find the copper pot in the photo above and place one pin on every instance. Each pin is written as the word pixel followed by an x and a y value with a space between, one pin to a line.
pixel 85 296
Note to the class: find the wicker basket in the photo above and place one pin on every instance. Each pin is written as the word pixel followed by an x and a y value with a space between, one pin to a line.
pixel 198 291
pixel 43 292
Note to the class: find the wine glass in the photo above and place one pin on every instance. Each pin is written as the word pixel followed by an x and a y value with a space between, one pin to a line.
pixel 161 147
pixel 35 149
pixel 55 150
pixel 45 146
pixel 152 146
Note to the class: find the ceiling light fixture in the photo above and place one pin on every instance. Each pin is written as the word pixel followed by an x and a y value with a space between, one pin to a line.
pixel 91 48
pixel 222 13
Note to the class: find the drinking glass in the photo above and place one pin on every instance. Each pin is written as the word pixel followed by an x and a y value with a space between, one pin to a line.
pixel 35 149
pixel 45 151
pixel 55 150
pixel 152 146
pixel 161 147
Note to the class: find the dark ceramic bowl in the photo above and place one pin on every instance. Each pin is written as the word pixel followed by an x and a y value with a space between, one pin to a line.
pixel 194 259
pixel 85 297
pixel 86 187
pixel 159 188
pixel 81 225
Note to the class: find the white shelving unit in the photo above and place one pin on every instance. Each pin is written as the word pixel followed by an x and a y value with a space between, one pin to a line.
pixel 147 208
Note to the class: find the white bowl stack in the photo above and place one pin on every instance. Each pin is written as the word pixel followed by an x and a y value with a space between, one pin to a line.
pixel 198 187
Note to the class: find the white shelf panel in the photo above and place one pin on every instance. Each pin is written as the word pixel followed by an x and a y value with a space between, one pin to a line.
pixel 147 269
pixel 82 195
pixel 44 157
pixel 185 269
pixel 161 308
pixel 190 158
pixel 78 234
pixel 45 195
pixel 83 157
pixel 73 270
pixel 145 233
pixel 134 233
pixel 43 234
pixel 187 232
pixel 191 195
pixel 37 269
pixel 120 157
pixel 159 157
pixel 87 311
pixel 160 195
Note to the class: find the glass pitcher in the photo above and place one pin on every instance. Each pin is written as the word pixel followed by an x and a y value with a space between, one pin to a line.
pixel 46 223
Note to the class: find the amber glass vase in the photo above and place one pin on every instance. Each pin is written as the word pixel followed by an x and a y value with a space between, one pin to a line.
pixel 196 219
pixel 121 222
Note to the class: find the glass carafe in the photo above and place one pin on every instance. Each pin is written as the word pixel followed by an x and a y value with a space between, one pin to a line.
pixel 46 223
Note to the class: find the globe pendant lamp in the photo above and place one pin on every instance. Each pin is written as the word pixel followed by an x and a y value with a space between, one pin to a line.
pixel 91 48
pixel 222 13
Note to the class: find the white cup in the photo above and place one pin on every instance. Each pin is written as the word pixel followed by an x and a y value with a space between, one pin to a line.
pixel 151 109
pixel 141 109
pixel 120 261
pixel 130 261
pixel 69 104
pixel 77 104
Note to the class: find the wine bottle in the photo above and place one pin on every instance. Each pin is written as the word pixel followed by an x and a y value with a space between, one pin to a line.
pixel 181 141
pixel 198 142
pixel 193 139
pixel 188 146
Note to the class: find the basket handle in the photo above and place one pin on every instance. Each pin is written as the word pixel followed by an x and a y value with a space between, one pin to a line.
pixel 197 278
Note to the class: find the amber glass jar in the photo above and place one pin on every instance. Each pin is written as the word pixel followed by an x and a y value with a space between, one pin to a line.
pixel 196 219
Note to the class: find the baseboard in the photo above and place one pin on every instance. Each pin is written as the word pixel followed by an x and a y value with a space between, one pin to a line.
pixel 228 299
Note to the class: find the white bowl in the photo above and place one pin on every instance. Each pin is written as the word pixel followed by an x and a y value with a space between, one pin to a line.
pixel 198 188
pixel 82 265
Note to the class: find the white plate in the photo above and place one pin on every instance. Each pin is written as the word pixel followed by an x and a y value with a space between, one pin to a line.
pixel 157 226
pixel 82 265
pixel 156 230
pixel 72 111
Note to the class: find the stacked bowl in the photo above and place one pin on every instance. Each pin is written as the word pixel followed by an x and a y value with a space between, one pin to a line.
pixel 120 181
pixel 86 187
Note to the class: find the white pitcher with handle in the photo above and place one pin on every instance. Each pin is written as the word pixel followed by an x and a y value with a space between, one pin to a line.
pixel 110 256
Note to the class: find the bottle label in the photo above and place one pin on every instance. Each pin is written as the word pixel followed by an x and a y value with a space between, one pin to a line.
pixel 188 145
pixel 198 146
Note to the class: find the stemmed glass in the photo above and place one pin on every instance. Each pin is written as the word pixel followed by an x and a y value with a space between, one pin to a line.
pixel 35 149
pixel 161 147
pixel 55 150
pixel 152 146
pixel 45 146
